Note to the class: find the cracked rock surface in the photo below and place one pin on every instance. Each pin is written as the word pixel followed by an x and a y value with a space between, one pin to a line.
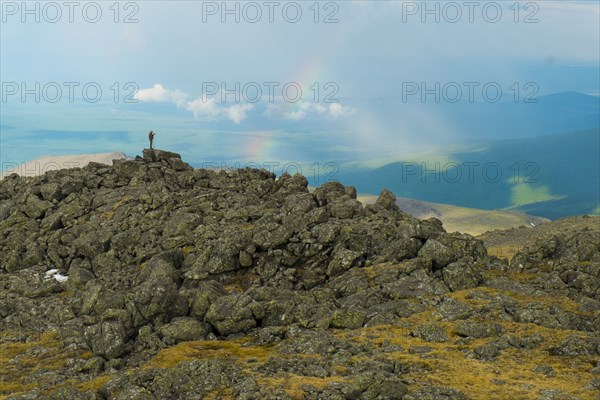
pixel 149 279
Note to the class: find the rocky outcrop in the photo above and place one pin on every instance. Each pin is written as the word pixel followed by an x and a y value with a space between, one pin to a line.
pixel 150 255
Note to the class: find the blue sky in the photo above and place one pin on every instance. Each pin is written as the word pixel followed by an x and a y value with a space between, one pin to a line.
pixel 364 60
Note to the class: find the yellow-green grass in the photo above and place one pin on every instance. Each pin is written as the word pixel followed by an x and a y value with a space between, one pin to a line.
pixel 18 360
pixel 524 193
pixel 509 376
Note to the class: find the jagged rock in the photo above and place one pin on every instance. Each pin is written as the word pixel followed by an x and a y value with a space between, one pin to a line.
pixel 387 201
pixel 79 276
pixel 430 333
pixel 183 329
pixel 577 346
pixel 491 349
pixel 70 393
pixel 555 394
pixel 438 254
pixel 330 192
pixel 461 275
pixel 154 155
pixel 550 317
pixel 314 342
pixel 349 319
pixel 451 310
pixel 159 301
pixel 188 380
pixel 260 269
pixel 478 329
pixel 297 366
pixel 107 339
pixel 435 393
pixel 35 207
pixel 51 191
pixel 232 314
pixel 91 244
pixel 342 260
pixel 546 370
pixel 526 342
pixel 93 365
pixel 373 385
pixel 134 393
pixel 181 223
pixel 173 160
pixel 201 298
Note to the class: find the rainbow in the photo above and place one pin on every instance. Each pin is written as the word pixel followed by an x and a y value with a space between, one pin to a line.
pixel 259 146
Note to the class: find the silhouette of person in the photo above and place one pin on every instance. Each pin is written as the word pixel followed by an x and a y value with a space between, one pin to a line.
pixel 151 138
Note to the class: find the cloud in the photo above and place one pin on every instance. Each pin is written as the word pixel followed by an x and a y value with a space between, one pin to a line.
pixel 302 110
pixel 204 108
pixel 336 110
pixel 158 93
pixel 237 112
pixel 209 109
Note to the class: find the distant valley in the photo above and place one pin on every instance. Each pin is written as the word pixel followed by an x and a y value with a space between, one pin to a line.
pixel 552 176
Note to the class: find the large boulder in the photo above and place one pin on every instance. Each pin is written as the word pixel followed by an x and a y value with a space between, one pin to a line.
pixel 107 339
pixel 183 329
pixel 233 313
pixel 173 160
pixel 155 294
pixel 461 275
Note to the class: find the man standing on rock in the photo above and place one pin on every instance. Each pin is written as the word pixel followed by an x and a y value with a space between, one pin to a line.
pixel 151 138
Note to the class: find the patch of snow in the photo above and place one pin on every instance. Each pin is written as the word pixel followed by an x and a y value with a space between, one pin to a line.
pixel 53 273
pixel 60 278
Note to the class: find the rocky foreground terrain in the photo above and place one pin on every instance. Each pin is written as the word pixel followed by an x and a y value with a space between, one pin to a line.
pixel 151 280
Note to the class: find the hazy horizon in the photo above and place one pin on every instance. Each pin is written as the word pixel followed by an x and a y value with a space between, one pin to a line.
pixel 378 79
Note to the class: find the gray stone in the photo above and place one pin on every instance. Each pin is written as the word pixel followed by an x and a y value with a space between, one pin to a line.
pixel 478 329
pixel 575 345
pixel 183 329
pixel 387 201
pixel 348 319
pixel 36 208
pixel 435 393
pixel 431 333
pixel 107 339
pixel 231 314
pixel 460 275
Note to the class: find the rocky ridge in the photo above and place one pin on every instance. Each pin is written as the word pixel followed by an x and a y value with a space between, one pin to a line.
pixel 174 282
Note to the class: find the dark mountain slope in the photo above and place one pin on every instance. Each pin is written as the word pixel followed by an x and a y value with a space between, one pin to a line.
pixel 551 176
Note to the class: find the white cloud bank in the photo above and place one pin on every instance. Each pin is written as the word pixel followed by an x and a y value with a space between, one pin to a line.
pixel 207 108
pixel 303 110
pixel 204 108
pixel 158 93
